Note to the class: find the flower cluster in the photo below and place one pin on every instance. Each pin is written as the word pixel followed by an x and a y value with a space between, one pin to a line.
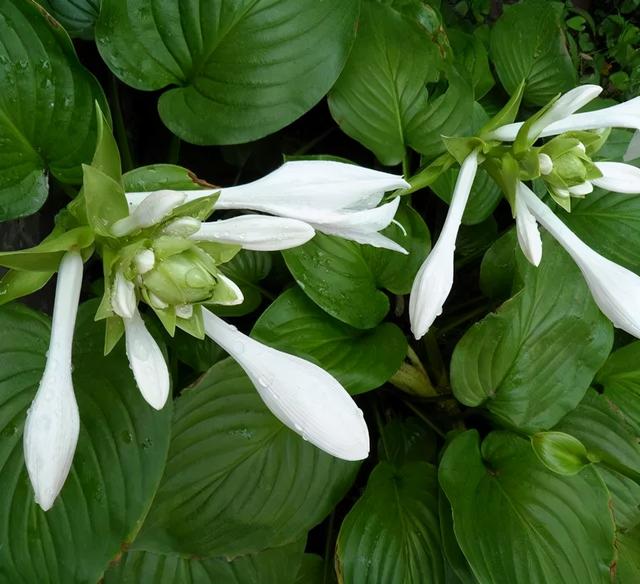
pixel 565 166
pixel 162 252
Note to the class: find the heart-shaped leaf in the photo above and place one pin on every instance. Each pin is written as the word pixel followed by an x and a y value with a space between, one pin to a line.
pixel 360 360
pixel 237 481
pixel 46 94
pixel 392 534
pixel 532 361
pixel 516 521
pixel 117 466
pixel 240 70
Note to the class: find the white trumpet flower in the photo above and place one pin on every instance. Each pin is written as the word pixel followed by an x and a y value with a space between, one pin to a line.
pixel 618 178
pixel 332 197
pixel 257 232
pixel 434 280
pixel 615 289
pixel 301 395
pixel 123 296
pixel 53 423
pixel 151 210
pixel 527 230
pixel 146 361
pixel 633 150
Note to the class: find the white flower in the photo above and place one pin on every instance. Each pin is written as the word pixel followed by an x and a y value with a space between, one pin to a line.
pixel 123 296
pixel 300 394
pixel 633 150
pixel 618 178
pixel 257 232
pixel 615 289
pixel 53 423
pixel 622 115
pixel 333 197
pixel 146 361
pixel 434 280
pixel 527 230
pixel 144 261
pixel 151 210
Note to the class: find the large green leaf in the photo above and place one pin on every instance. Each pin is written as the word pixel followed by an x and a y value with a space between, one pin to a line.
pixel 392 534
pixel 610 223
pixel 237 481
pixel 77 16
pixel 516 521
pixel 380 92
pixel 620 377
pixel 528 43
pixel 117 466
pixel 628 565
pixel 345 278
pixel 47 108
pixel 247 270
pixel 273 566
pixel 471 55
pixel 532 361
pixel 240 70
pixel 360 360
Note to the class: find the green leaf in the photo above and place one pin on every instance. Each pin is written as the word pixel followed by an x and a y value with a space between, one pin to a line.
pixel 499 266
pixel 484 198
pixel 610 223
pixel 273 566
pixel 528 43
pixel 620 377
pixel 46 256
pixel 360 360
pixel 516 521
pixel 472 57
pixel 559 452
pixel 406 440
pixel 104 201
pixel 600 426
pixel 312 571
pixel 16 284
pixel 237 481
pixel 457 568
pixel 247 269
pixel 628 564
pixel 392 534
pixel 380 92
pixel 506 115
pixel 77 16
pixel 117 466
pixel 156 177
pixel 47 120
pixel 345 278
pixel 532 361
pixel 241 70
pixel 625 497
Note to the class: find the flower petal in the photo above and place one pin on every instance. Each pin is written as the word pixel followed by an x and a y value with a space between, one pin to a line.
pixel 615 289
pixel 633 150
pixel 435 278
pixel 527 231
pixel 123 296
pixel 581 190
pixel 257 232
pixel 618 178
pixel 53 423
pixel 147 362
pixel 152 209
pixel 301 395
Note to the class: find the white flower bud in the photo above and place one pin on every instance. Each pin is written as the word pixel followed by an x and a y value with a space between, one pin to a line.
pixel 144 261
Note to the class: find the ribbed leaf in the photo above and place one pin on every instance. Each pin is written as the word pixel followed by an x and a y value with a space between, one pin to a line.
pixel 274 566
pixel 242 69
pixel 532 361
pixel 392 534
pixel 516 521
pixel 77 16
pixel 237 481
pixel 360 360
pixel 45 93
pixel 117 466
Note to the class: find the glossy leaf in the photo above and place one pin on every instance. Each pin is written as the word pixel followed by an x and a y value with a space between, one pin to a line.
pixel 77 16
pixel 559 452
pixel 162 176
pixel 117 466
pixel 628 564
pixel 532 361
pixel 237 481
pixel 528 43
pixel 273 566
pixel 380 93
pixel 516 521
pixel 46 94
pixel 234 71
pixel 247 270
pixel 392 534
pixel 360 360
pixel 471 54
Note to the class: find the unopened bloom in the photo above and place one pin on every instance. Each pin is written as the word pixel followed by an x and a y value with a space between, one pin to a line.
pixel 527 230
pixel 615 289
pixel 332 197
pixel 53 423
pixel 151 210
pixel 304 397
pixel 434 280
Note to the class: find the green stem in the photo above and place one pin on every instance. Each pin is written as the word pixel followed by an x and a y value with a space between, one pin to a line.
pixel 119 127
pixel 428 175
pixel 406 164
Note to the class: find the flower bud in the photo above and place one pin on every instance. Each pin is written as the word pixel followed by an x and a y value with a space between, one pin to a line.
pixel 144 261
